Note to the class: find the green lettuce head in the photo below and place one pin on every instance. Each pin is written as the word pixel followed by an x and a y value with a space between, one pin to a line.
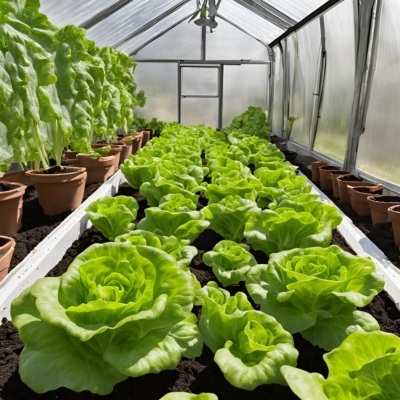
pixel 316 292
pixel 250 347
pixel 118 311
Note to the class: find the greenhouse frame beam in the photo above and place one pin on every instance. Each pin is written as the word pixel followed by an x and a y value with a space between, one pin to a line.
pixel 104 14
pixel 151 23
pixel 271 78
pixel 211 62
pixel 315 14
pixel 268 12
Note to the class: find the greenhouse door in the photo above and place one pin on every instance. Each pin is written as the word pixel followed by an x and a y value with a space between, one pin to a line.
pixel 200 95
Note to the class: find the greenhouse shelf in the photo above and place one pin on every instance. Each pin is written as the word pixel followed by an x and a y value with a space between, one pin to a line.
pixel 365 248
pixel 52 248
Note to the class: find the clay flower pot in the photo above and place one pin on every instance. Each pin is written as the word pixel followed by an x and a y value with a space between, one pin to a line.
pixel 17 176
pixel 335 185
pixel 394 215
pixel 116 149
pixel 98 170
pixel 358 197
pixel 134 143
pixel 379 207
pixel 59 192
pixel 7 246
pixel 69 154
pixel 11 208
pixel 325 176
pixel 315 166
pixel 146 136
pixel 349 180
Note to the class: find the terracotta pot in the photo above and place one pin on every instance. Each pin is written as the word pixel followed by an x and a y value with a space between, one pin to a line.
pixel 135 144
pixel 69 154
pixel 59 192
pixel 335 185
pixel 315 166
pixel 71 162
pixel 6 253
pixel 346 180
pixel 358 197
pixel 394 215
pixel 98 170
pixel 17 176
pixel 11 209
pixel 379 209
pixel 116 149
pixel 146 137
pixel 325 176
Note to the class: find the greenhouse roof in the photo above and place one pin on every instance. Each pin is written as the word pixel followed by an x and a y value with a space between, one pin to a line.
pixel 129 25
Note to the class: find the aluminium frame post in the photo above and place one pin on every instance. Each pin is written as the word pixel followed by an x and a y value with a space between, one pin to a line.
pixel 203 43
pixel 286 88
pixel 221 95
pixel 271 78
pixel 179 92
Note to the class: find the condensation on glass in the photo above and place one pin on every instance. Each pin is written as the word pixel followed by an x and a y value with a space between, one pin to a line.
pixel 378 150
pixel 339 82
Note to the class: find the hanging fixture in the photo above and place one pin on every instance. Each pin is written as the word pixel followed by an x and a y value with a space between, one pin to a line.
pixel 204 20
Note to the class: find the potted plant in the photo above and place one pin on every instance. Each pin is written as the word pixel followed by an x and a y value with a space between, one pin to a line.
pixel 7 246
pixel 116 150
pixel 133 144
pixel 11 207
pixel 99 164
pixel 394 215
pixel 335 186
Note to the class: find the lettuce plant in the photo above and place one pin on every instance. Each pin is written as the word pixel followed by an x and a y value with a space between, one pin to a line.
pixel 316 291
pixel 294 201
pixel 138 170
pixel 113 216
pixel 118 311
pixel 189 396
pixel 285 229
pixel 170 244
pixel 230 261
pixel 364 366
pixel 250 347
pixel 229 216
pixel 175 216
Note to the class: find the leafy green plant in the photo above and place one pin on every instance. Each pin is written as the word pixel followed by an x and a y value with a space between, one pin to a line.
pixel 118 311
pixel 170 244
pixel 229 216
pixel 249 346
pixel 316 291
pixel 113 216
pixel 291 122
pixel 175 216
pixel 98 153
pixel 364 366
pixel 285 229
pixel 230 261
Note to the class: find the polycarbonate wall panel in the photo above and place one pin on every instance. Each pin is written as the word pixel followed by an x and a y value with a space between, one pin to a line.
pixel 127 20
pixel 200 111
pixel 175 40
pixel 229 43
pixel 200 81
pixel 277 109
pixel 244 86
pixel 339 81
pixel 248 21
pixel 296 9
pixel 379 147
pixel 75 12
pixel 160 83
pixel 302 93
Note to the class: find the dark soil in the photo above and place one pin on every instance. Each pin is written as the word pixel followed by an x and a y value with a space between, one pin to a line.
pixel 5 187
pixel 330 167
pixel 55 170
pixel 369 189
pixel 3 241
pixel 191 375
pixel 349 178
pixel 387 199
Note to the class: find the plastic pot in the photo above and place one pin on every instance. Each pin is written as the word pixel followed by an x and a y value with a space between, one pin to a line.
pixel 6 253
pixel 394 215
pixel 11 209
pixel 98 170
pixel 379 207
pixel 58 193
pixel 315 166
pixel 359 195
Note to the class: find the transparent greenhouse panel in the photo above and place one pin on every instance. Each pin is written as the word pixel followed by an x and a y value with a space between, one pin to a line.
pixel 379 147
pixel 127 20
pixel 244 86
pixel 250 22
pixel 229 43
pixel 339 81
pixel 303 84
pixel 75 12
pixel 200 81
pixel 277 108
pixel 200 111
pixel 175 38
pixel 160 84
pixel 295 9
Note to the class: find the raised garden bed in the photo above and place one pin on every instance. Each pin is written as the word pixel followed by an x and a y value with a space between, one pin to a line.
pixel 194 375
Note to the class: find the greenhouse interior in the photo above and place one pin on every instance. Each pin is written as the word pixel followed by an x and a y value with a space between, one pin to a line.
pixel 199 199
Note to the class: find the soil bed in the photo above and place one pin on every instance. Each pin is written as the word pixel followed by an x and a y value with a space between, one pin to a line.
pixel 191 375
pixel 387 199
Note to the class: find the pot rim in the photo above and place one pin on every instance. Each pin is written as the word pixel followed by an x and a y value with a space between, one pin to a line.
pixel 392 209
pixel 21 186
pixel 9 240
pixel 78 171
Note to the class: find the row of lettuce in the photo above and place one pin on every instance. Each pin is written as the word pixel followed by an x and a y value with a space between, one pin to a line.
pixel 124 308
pixel 57 88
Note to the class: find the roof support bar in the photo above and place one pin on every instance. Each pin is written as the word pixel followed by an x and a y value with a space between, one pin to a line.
pixel 268 12
pixel 366 29
pixel 104 14
pixel 319 11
